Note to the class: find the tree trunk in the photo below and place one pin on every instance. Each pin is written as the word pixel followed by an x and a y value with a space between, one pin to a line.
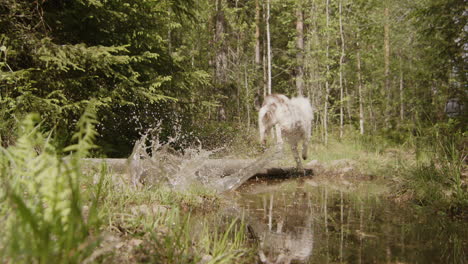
pixel 247 93
pixel 267 20
pixel 265 66
pixel 265 72
pixel 402 104
pixel 341 71
pixel 370 104
pixel 257 34
pixel 300 50
pixel 238 61
pixel 327 88
pixel 361 108
pixel 258 55
pixel 388 103
pixel 221 57
pixel 348 98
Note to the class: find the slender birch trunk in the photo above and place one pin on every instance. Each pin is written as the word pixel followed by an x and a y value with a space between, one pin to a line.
pixel 341 70
pixel 257 32
pixel 221 57
pixel 247 93
pixel 370 104
pixel 387 66
pixel 268 45
pixel 402 104
pixel 361 108
pixel 264 59
pixel 265 71
pixel 257 37
pixel 239 67
pixel 300 50
pixel 327 88
pixel 348 98
pixel 267 20
pixel 239 111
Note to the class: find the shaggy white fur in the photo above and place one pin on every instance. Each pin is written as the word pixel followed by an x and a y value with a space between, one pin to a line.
pixel 293 118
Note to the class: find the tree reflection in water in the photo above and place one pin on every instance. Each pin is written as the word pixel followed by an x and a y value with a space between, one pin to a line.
pixel 298 223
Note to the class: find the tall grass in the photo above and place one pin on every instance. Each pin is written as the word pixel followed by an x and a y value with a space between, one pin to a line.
pixel 424 164
pixel 178 238
pixel 436 178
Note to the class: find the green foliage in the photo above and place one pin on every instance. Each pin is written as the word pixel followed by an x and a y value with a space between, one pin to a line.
pixel 66 53
pixel 86 134
pixel 43 217
pixel 53 214
pixel 160 57
pixel 442 23
pixel 436 179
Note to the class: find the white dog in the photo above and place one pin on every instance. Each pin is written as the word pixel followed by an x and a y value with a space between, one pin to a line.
pixel 294 119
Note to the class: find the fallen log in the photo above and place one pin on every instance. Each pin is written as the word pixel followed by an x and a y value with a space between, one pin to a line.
pixel 211 167
pixel 282 173
pixel 230 166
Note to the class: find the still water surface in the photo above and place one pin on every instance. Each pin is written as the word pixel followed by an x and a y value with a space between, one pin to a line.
pixel 299 221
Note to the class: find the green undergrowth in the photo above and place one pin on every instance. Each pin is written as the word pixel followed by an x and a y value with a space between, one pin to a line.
pixel 42 200
pixel 426 168
pixel 178 238
pixel 52 212
pixel 438 177
pixel 365 155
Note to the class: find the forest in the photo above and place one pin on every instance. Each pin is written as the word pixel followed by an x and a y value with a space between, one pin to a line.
pixel 89 78
pixel 368 66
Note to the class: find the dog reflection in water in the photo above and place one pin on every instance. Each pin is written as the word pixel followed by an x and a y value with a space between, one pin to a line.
pixel 283 247
pixel 284 236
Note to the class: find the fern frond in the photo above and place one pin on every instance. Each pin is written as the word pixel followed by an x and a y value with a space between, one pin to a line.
pixel 43 197
pixel 86 133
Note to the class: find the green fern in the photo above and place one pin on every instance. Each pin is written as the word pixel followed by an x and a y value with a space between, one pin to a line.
pixel 86 133
pixel 43 213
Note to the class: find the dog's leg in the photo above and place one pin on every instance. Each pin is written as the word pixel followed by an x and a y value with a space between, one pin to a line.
pixel 264 129
pixel 305 146
pixel 305 142
pixel 279 139
pixel 295 152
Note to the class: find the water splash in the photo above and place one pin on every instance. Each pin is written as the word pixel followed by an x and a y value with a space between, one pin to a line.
pixel 153 162
pixel 235 180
